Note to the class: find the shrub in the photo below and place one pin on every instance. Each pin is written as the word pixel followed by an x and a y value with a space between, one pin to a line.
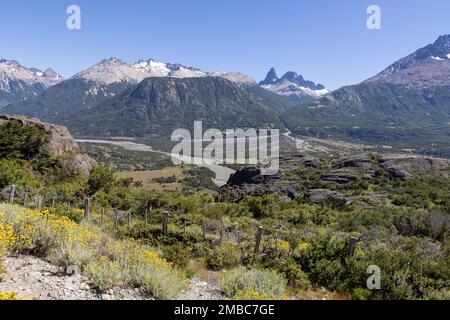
pixel 245 284
pixel 8 296
pixel 361 294
pixel 288 267
pixel 177 254
pixel 7 237
pixel 15 172
pixel 73 254
pixel 104 274
pixel 224 256
pixel 107 261
pixel 101 178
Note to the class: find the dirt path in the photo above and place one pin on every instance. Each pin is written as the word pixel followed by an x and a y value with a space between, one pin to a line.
pixel 201 290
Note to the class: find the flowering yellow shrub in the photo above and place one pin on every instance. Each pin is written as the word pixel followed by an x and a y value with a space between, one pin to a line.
pixel 284 245
pixel 7 237
pixel 304 246
pixel 107 261
pixel 8 296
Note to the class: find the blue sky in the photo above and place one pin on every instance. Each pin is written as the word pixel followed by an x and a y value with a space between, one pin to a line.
pixel 324 40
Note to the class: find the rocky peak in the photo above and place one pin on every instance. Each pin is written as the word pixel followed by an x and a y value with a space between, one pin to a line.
pixel 271 77
pixel 291 83
pixel 443 43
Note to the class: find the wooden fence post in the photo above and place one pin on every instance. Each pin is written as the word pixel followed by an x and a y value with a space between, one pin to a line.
pixel 221 236
pixel 116 223
pixel 87 207
pixel 129 220
pixel 25 199
pixel 11 195
pixel 258 239
pixel 165 225
pixel 352 246
pixel 102 217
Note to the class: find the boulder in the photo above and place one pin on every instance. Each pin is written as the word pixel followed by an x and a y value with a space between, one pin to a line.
pixel 320 195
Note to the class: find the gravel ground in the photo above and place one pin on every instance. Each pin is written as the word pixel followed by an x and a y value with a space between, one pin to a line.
pixel 34 278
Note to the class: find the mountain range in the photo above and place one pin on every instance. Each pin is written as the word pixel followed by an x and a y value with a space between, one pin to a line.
pixel 18 83
pixel 406 105
pixel 139 94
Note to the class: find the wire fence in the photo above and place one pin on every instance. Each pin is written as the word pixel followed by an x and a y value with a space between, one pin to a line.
pixel 213 232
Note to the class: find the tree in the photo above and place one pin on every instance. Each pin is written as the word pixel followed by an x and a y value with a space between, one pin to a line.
pixel 101 178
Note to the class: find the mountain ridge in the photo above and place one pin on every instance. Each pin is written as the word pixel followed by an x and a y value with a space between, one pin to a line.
pixel 18 82
pixel 292 84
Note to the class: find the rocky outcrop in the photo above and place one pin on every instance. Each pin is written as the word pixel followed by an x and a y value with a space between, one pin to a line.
pixel 341 176
pixel 343 171
pixel 403 166
pixel 321 195
pixel 61 144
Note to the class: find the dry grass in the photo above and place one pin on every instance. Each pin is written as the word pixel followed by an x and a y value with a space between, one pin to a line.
pixel 146 178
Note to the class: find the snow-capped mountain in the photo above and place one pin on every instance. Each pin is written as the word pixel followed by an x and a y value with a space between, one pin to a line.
pixel 114 70
pixel 426 68
pixel 291 84
pixel 18 82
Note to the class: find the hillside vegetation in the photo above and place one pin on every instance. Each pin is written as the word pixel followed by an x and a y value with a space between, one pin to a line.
pixel 390 218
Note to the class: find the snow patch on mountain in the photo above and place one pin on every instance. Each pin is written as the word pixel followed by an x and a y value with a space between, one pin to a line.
pixel 111 71
pixel 12 71
pixel 291 84
pixel 114 70
pixel 236 77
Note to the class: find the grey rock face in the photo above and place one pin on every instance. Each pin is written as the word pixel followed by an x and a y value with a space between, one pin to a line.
pixel 403 166
pixel 320 195
pixel 343 171
pixel 341 176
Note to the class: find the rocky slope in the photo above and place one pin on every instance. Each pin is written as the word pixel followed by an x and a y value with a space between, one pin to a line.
pixel 427 67
pixel 157 106
pixel 33 278
pixel 18 82
pixel 322 176
pixel 61 143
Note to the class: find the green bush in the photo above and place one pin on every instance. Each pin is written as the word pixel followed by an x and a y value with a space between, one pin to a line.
pixel 286 265
pixel 361 294
pixel 243 284
pixel 224 256
pixel 178 254
pixel 15 172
